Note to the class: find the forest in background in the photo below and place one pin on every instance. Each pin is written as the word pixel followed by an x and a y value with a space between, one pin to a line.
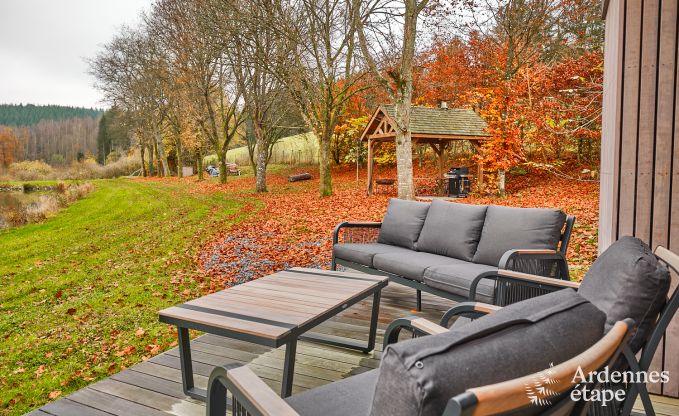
pixel 55 134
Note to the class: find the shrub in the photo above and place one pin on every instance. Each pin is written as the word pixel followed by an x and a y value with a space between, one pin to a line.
pixel 31 170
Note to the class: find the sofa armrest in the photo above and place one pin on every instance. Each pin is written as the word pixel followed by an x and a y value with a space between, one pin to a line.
pixel 248 391
pixel 354 225
pixel 468 309
pixel 508 280
pixel 548 263
pixel 418 326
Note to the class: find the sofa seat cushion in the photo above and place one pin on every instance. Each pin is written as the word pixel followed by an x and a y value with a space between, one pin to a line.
pixel 507 228
pixel 419 376
pixel 628 281
pixel 412 264
pixel 457 278
pixel 350 396
pixel 403 223
pixel 452 229
pixel 364 253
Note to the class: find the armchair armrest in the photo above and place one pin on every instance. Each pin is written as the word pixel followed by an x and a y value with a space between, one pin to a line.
pixel 348 224
pixel 417 325
pixel 470 309
pixel 549 263
pixel 249 392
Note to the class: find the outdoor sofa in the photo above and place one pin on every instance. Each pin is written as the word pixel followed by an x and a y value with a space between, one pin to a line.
pixel 449 249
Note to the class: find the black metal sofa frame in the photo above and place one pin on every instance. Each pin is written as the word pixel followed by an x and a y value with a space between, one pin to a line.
pixel 548 263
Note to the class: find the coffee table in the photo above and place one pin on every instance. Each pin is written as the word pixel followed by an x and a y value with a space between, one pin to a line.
pixel 275 310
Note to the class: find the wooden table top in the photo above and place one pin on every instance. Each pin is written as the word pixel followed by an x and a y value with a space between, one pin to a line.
pixel 273 306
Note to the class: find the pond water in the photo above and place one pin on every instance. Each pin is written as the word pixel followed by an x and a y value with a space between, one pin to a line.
pixel 13 206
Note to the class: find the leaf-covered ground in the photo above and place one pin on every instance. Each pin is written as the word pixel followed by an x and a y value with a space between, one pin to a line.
pixel 79 294
pixel 294 226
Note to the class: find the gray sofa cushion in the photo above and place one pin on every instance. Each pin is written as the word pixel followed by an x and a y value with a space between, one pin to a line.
pixel 364 253
pixel 412 264
pixel 628 281
pixel 507 228
pixel 350 396
pixel 403 223
pixel 452 229
pixel 457 279
pixel 418 376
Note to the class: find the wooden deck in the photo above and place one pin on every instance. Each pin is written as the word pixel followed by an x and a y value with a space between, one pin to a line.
pixel 153 388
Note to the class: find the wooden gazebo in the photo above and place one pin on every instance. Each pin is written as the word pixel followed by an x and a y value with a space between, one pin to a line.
pixel 434 126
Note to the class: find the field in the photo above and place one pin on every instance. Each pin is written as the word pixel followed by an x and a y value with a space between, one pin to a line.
pixel 79 293
pixel 291 150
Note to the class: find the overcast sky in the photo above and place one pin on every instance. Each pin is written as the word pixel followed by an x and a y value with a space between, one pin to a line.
pixel 43 44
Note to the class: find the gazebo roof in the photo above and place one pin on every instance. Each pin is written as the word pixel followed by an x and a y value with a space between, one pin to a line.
pixel 429 123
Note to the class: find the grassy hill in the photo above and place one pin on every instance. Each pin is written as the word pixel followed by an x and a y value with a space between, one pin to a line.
pixel 297 149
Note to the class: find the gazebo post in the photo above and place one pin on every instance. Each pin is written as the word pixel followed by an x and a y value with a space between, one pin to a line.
pixel 370 166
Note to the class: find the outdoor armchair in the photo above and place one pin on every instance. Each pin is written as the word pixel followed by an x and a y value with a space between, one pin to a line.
pixel 609 277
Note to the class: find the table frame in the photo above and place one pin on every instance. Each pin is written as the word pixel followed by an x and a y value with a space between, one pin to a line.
pixel 290 339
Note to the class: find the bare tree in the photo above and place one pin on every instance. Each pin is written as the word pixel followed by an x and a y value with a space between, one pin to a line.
pixel 126 72
pixel 242 29
pixel 315 61
pixel 200 63
pixel 377 18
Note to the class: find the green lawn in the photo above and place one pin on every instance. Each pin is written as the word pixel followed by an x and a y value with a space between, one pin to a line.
pixel 79 294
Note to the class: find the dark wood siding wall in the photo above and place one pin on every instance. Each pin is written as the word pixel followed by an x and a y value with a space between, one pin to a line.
pixel 640 139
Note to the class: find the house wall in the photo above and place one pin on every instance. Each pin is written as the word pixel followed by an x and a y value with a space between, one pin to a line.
pixel 640 139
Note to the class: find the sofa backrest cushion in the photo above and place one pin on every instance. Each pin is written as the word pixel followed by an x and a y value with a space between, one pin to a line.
pixel 452 229
pixel 403 223
pixel 507 228
pixel 628 281
pixel 417 377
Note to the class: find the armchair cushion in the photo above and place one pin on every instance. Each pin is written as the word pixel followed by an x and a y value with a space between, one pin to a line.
pixel 403 223
pixel 457 279
pixel 350 396
pixel 628 281
pixel 452 229
pixel 417 377
pixel 412 264
pixel 364 253
pixel 507 228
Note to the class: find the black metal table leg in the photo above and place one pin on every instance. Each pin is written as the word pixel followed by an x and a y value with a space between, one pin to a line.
pixel 187 367
pixel 289 367
pixel 373 321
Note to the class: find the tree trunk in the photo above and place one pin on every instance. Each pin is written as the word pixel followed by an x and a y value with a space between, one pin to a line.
pixel 162 157
pixel 201 172
pixel 262 151
pixel 180 161
pixel 324 163
pixel 144 173
pixel 501 184
pixel 404 145
pixel 152 168
pixel 221 154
